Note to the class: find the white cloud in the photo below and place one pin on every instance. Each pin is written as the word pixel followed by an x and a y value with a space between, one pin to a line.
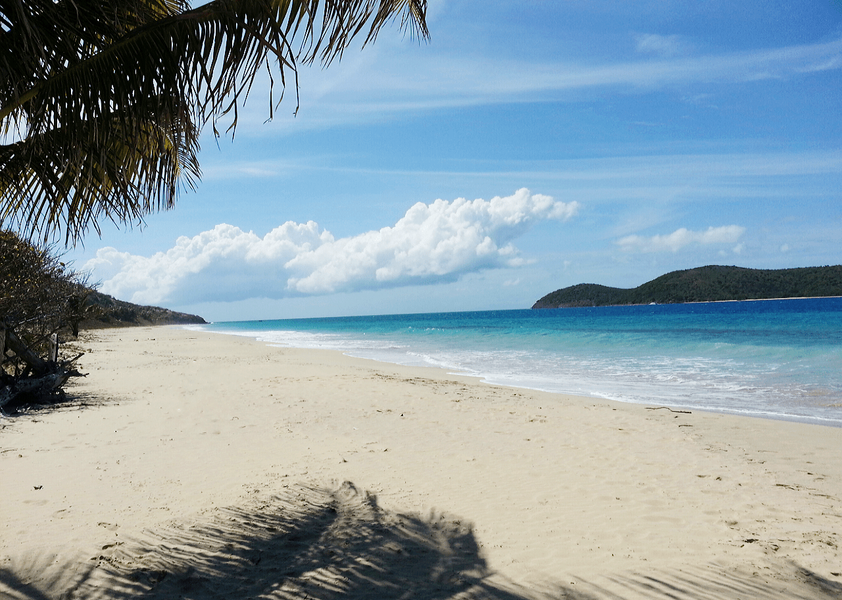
pixel 681 238
pixel 372 85
pixel 463 80
pixel 432 242
pixel 664 45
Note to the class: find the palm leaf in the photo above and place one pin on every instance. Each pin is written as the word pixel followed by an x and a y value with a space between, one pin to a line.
pixel 118 175
pixel 139 86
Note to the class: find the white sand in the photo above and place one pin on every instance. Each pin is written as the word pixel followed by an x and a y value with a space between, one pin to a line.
pixel 209 466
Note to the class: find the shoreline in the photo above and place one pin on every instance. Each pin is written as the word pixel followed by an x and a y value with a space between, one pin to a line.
pixel 514 490
pixel 487 380
pixel 524 384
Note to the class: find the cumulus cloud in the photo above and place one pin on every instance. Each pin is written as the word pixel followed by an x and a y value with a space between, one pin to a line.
pixel 681 238
pixel 433 242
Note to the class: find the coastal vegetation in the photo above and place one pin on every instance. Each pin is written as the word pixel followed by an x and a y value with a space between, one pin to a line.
pixel 39 297
pixel 705 284
pixel 104 311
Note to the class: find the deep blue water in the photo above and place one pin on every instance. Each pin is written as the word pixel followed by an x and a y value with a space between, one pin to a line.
pixel 770 358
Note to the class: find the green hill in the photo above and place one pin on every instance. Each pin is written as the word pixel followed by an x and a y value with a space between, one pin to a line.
pixel 107 311
pixel 705 284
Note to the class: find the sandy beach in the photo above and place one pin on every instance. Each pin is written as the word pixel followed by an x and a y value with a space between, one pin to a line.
pixel 195 465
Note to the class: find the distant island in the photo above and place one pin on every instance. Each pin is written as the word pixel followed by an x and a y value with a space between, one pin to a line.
pixel 106 311
pixel 705 284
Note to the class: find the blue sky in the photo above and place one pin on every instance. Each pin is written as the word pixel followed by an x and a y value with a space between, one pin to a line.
pixel 528 146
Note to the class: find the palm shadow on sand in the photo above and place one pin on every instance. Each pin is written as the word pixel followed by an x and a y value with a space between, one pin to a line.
pixel 310 542
pixel 323 544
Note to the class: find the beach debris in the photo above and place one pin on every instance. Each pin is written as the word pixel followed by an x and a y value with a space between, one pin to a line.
pixel 39 378
pixel 683 412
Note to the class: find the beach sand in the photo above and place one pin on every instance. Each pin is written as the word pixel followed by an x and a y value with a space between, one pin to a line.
pixel 202 466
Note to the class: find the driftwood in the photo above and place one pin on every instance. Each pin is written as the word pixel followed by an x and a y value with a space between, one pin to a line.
pixel 41 378
pixel 34 386
pixel 32 360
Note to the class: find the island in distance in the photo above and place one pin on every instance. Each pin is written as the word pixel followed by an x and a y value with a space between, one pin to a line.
pixel 705 284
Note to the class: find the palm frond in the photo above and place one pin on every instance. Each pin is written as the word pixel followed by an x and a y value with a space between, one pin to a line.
pixel 103 81
pixel 48 184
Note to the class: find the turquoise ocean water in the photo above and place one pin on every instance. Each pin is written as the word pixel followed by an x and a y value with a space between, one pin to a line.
pixel 770 358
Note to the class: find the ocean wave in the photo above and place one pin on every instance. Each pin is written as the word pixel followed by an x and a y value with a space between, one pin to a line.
pixel 770 366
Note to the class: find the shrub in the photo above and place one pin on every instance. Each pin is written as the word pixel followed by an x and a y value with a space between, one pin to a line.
pixel 39 297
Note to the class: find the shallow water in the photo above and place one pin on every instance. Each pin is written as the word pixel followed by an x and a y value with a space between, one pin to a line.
pixel 770 358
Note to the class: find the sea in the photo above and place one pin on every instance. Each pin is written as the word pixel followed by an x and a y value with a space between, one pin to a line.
pixel 779 359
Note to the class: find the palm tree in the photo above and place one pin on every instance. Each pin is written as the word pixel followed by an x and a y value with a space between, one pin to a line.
pixel 103 101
